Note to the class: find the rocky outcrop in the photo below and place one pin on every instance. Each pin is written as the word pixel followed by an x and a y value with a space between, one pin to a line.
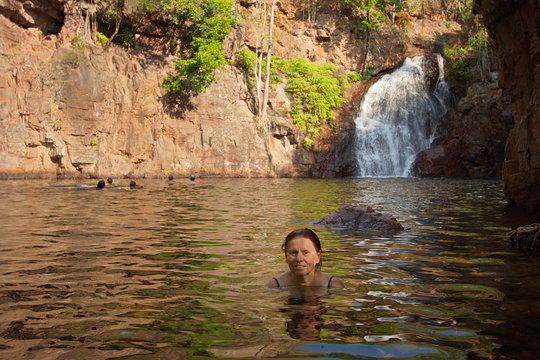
pixel 525 238
pixel 513 25
pixel 46 15
pixel 361 218
pixel 473 144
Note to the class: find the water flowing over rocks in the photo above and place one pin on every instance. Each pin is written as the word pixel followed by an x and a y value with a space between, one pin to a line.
pixel 400 115
pixel 361 218
pixel 513 25
pixel 473 143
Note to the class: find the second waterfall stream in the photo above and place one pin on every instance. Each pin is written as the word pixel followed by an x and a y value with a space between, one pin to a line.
pixel 400 115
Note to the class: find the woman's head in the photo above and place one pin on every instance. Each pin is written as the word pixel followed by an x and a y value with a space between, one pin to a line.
pixel 303 234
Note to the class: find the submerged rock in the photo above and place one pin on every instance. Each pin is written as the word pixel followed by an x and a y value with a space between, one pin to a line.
pixel 361 218
pixel 525 238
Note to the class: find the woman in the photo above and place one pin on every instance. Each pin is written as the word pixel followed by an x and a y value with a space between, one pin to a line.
pixel 302 250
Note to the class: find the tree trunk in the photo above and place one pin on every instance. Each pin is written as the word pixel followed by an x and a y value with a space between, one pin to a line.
pixel 268 63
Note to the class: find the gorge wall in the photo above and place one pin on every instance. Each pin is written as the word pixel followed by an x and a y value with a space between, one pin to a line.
pixel 513 25
pixel 91 111
pixel 103 112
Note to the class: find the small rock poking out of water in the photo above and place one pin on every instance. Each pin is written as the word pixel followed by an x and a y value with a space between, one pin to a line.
pixel 361 218
pixel 525 238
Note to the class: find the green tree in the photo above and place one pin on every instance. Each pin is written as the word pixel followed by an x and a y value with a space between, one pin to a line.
pixel 205 24
pixel 371 14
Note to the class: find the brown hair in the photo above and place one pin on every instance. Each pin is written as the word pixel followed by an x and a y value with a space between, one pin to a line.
pixel 305 233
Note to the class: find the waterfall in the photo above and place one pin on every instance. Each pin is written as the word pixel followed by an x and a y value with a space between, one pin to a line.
pixel 400 116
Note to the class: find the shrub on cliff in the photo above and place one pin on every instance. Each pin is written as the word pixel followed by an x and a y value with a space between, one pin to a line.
pixel 206 25
pixel 315 89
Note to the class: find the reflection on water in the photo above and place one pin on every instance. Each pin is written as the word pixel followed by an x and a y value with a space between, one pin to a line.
pixel 305 318
pixel 171 272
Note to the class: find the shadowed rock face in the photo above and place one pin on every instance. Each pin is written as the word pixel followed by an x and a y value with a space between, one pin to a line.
pixel 46 15
pixel 473 145
pixel 361 218
pixel 513 25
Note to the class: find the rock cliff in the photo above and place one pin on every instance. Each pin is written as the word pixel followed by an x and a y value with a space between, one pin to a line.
pixel 513 25
pixel 474 141
pixel 86 111
pixel 71 108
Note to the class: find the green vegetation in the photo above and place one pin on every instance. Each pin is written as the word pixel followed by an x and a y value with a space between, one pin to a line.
pixel 127 38
pixel 462 59
pixel 73 57
pixel 245 60
pixel 467 60
pixel 101 39
pixel 315 90
pixel 206 24
pixel 78 42
pixel 373 12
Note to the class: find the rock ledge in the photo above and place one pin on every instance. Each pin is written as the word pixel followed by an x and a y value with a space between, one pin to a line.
pixel 361 218
pixel 525 238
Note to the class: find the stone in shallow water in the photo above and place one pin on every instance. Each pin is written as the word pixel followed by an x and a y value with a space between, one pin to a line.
pixel 361 218
pixel 525 238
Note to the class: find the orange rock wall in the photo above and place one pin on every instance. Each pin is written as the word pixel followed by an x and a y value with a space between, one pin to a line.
pixel 514 27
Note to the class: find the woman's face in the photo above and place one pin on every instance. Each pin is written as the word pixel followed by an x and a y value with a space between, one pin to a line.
pixel 301 256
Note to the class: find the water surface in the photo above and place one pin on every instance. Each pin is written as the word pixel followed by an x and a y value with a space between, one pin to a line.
pixel 174 272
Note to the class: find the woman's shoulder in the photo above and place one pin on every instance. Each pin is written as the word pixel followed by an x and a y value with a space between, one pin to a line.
pixel 333 282
pixel 277 281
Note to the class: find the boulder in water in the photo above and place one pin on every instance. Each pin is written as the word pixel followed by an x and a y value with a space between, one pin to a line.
pixel 525 238
pixel 361 218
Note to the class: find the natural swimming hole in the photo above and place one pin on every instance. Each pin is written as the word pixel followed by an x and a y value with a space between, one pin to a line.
pixel 174 272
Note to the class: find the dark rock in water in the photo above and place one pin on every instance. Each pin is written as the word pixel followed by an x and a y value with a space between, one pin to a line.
pixel 525 238
pixel 361 218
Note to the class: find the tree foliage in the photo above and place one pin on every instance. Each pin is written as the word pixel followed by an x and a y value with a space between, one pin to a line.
pixel 373 12
pixel 315 89
pixel 206 23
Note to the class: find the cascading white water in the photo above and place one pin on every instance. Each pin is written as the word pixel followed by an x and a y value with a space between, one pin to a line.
pixel 399 117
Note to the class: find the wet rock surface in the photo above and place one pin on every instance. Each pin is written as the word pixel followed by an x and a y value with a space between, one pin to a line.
pixel 361 218
pixel 514 28
pixel 525 238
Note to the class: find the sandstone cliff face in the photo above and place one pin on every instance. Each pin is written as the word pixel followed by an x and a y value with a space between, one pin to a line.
pixel 513 25
pixel 95 112
pixel 68 111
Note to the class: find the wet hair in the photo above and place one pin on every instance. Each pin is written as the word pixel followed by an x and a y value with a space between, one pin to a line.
pixel 305 233
pixel 109 180
pixel 132 183
pixel 192 177
pixel 171 177
pixel 100 184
